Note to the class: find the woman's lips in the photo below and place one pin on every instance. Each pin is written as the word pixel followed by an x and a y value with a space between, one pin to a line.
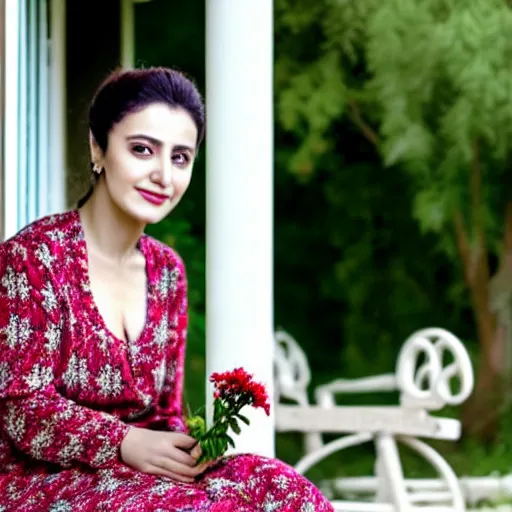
pixel 152 197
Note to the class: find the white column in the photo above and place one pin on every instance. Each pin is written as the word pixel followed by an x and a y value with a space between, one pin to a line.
pixel 127 43
pixel 239 85
pixel 43 101
pixel 11 122
pixel 58 106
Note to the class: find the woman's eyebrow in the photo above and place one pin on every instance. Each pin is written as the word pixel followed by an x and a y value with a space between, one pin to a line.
pixel 152 140
pixel 159 143
pixel 182 147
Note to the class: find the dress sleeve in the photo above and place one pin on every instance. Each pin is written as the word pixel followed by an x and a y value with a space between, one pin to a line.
pixel 37 419
pixel 169 409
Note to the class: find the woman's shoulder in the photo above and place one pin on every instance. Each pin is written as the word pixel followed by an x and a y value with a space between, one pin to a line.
pixel 42 235
pixel 162 255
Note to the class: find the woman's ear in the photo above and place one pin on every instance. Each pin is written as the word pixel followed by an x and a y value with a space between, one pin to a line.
pixel 95 150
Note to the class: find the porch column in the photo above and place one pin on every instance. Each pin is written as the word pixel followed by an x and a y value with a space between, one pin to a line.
pixel 239 92
pixel 10 117
pixel 58 102
pixel 127 43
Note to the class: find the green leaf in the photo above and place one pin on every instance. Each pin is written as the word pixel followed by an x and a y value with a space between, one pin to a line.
pixel 220 446
pixel 243 418
pixel 206 450
pixel 234 425
pixel 431 208
pixel 223 445
pixel 197 426
pixel 218 409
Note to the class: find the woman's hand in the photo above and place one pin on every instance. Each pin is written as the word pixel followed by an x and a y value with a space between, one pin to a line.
pixel 162 453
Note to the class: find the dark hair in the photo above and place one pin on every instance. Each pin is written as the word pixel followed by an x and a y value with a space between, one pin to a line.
pixel 126 92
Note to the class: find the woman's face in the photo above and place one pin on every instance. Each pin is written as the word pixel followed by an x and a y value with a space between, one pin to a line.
pixel 148 162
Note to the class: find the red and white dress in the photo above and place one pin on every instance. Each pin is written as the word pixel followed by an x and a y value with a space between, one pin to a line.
pixel 70 389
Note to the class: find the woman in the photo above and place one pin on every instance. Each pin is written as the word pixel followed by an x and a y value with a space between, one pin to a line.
pixel 93 317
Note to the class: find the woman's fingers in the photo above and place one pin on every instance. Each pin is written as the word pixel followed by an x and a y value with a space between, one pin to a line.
pixel 177 467
pixel 181 456
pixel 201 468
pixel 196 451
pixel 183 441
pixel 184 479
pixel 158 471
pixel 213 462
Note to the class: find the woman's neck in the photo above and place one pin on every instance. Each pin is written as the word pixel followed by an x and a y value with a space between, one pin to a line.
pixel 108 230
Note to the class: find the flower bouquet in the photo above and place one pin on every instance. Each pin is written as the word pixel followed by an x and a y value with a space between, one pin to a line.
pixel 233 390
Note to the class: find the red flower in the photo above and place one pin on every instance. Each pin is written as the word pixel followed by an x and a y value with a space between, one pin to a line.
pixel 237 385
pixel 260 397
pixel 231 383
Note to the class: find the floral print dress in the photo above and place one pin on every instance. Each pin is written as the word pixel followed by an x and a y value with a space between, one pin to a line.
pixel 69 390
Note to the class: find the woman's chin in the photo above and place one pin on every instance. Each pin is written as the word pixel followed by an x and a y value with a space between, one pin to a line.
pixel 146 213
pixel 153 216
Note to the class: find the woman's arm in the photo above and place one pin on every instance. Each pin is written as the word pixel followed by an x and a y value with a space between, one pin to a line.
pixel 37 419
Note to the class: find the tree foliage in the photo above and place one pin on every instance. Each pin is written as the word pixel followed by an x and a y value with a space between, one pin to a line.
pixel 428 84
pixel 432 76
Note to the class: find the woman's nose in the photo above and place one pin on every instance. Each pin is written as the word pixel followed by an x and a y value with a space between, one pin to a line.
pixel 164 175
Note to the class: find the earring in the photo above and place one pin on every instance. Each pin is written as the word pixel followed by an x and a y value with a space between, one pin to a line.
pixel 96 169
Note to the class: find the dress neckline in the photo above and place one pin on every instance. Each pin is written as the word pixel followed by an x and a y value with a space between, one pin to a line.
pixel 87 289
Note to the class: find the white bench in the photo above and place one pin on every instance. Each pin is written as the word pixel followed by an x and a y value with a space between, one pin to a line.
pixel 425 384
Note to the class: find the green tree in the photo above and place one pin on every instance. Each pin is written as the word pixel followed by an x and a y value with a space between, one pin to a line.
pixel 428 84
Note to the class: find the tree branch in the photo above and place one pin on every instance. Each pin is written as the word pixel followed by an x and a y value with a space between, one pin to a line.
pixel 366 129
pixel 479 273
pixel 476 193
pixel 479 256
pixel 462 239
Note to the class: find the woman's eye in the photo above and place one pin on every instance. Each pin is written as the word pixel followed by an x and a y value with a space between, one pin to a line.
pixel 180 159
pixel 140 149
